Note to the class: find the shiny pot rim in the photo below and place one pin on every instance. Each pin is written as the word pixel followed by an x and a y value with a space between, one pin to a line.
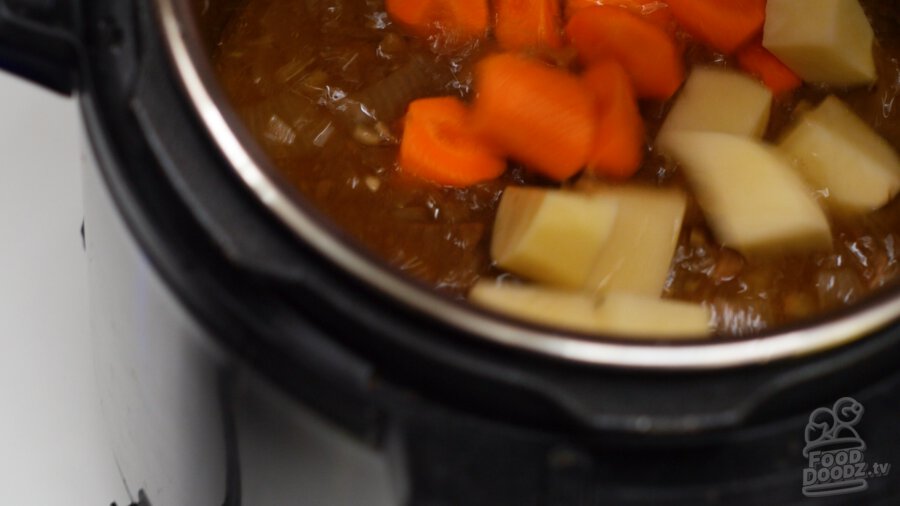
pixel 182 41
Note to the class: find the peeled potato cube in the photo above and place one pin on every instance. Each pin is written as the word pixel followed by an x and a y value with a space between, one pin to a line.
pixel 550 235
pixel 545 306
pixel 622 315
pixel 823 41
pixel 843 158
pixel 638 254
pixel 717 100
pixel 647 317
pixel 750 194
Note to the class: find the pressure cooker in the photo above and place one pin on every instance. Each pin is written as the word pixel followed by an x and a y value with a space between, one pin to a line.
pixel 249 353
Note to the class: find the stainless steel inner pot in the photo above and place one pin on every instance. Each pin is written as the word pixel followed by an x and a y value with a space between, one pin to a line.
pixel 191 27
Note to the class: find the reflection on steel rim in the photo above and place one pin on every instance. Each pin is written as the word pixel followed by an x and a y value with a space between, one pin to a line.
pixel 185 51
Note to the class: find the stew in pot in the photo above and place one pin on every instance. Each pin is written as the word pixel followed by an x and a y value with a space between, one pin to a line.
pixel 634 167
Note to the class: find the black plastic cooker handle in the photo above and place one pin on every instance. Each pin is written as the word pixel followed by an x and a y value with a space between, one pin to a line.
pixel 38 42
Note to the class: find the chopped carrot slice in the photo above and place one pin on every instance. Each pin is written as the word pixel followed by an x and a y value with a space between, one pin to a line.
pixel 452 21
pixel 725 25
pixel 537 114
pixel 523 24
pixel 618 148
pixel 438 145
pixel 654 11
pixel 649 54
pixel 759 62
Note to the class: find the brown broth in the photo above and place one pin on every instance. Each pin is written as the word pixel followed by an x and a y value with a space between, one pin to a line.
pixel 288 66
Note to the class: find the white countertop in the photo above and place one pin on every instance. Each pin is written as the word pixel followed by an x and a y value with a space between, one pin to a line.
pixel 53 447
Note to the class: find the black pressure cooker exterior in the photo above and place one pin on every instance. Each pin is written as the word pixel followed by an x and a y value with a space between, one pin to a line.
pixel 471 423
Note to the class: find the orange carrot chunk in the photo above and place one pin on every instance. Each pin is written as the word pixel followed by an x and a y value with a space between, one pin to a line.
pixel 725 25
pixel 618 148
pixel 654 11
pixel 759 62
pixel 649 55
pixel 452 21
pixel 438 145
pixel 524 24
pixel 537 114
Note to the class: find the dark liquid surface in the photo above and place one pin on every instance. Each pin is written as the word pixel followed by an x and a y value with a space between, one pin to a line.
pixel 288 67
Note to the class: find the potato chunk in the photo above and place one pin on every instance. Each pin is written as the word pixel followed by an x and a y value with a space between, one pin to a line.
pixel 545 306
pixel 551 236
pixel 638 255
pixel 823 41
pixel 753 199
pixel 620 315
pixel 843 158
pixel 647 317
pixel 716 100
